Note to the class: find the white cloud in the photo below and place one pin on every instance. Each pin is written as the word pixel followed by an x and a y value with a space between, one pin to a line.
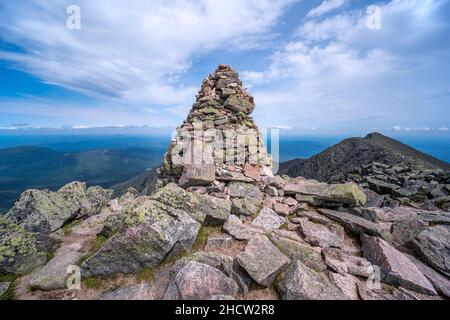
pixel 129 50
pixel 325 7
pixel 444 129
pixel 338 72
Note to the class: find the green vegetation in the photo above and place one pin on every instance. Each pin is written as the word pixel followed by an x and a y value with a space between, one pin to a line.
pixel 94 283
pixel 10 293
pixel 146 275
pixel 68 227
pixel 203 235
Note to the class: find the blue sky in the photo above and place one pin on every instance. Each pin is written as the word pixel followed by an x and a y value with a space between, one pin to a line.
pixel 311 65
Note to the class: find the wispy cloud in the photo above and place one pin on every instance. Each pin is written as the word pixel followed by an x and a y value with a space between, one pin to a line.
pixel 325 7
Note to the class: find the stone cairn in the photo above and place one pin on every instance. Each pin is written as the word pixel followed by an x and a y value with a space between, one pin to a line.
pixel 219 141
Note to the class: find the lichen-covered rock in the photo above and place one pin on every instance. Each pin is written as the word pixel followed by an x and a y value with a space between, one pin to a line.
pixel 297 250
pixel 245 190
pixel 197 175
pixel 299 282
pixel 268 220
pixel 43 211
pixel 235 227
pixel 200 207
pixel 262 260
pixel 20 251
pixel 395 267
pixel 198 281
pixel 348 193
pixel 244 207
pixel 433 245
pixel 343 263
pixel 154 230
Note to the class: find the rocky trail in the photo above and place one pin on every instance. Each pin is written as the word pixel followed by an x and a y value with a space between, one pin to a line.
pixel 225 227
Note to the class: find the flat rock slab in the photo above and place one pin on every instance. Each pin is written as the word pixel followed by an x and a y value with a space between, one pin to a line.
pixel 396 268
pixel 344 263
pixel 197 175
pixel 262 260
pixel 268 220
pixel 235 227
pixel 245 190
pixel 433 245
pixel 354 223
pixel 439 282
pixel 302 283
pixel 319 235
pixel 198 281
pixel 139 292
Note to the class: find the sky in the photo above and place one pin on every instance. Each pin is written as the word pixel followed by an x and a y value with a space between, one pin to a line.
pixel 316 66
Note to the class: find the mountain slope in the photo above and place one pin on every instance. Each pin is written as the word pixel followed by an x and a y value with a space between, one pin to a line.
pixel 350 154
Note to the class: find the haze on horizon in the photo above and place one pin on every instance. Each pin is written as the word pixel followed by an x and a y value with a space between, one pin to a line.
pixel 312 65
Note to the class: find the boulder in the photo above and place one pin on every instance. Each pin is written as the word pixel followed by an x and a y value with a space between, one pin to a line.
pixel 343 263
pixel 354 224
pixel 197 175
pixel 268 220
pixel 153 231
pixel 245 190
pixel 299 282
pixel 262 260
pixel 198 281
pixel 240 104
pixel 396 268
pixel 348 193
pixel 433 245
pixel 439 282
pixel 235 227
pixel 20 251
pixel 244 207
pixel 200 207
pixel 139 292
pixel 297 250
pixel 282 209
pixel 54 274
pixel 253 172
pixel 319 235
pixel 218 242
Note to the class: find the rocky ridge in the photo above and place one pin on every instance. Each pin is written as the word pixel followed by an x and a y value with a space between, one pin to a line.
pixel 226 230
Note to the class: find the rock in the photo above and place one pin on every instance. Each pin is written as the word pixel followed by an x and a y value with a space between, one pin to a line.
pixel 114 206
pixel 373 199
pixel 433 245
pixel 313 217
pixel 239 230
pixel 347 283
pixel 112 225
pixel 220 298
pixel 297 250
pixel 268 220
pixel 20 251
pixel 348 193
pixel 42 211
pixel 262 260
pixel 245 190
pixel 244 207
pixel 343 263
pixel 197 175
pixel 302 283
pixel 4 287
pixel 290 201
pixel 271 191
pixel 439 282
pixel 252 172
pixel 218 242
pixel 197 281
pixel 319 235
pixel 240 104
pixel 353 223
pixel 382 187
pixel 135 293
pixel 282 209
pixel 396 268
pixel 153 231
pixel 200 207
pixel 54 274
